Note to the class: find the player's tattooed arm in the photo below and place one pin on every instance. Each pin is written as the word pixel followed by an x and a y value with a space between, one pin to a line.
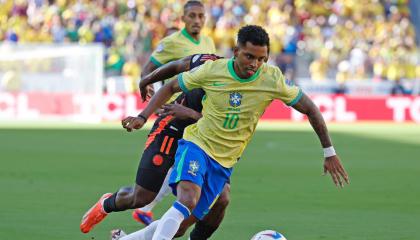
pixel 164 72
pixel 332 164
pixel 307 107
pixel 180 111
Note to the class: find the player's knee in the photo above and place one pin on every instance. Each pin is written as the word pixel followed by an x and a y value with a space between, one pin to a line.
pixel 189 201
pixel 224 198
pixel 223 201
pixel 142 198
pixel 188 195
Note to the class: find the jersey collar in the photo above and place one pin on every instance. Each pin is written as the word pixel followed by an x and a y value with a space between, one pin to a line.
pixel 237 78
pixel 189 37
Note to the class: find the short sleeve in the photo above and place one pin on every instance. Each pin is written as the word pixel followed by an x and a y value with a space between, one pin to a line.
pixel 195 78
pixel 287 91
pixel 163 53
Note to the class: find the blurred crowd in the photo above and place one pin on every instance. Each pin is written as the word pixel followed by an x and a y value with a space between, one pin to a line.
pixel 338 40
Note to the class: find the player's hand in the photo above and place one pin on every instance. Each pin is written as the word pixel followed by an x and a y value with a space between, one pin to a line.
pixel 146 92
pixel 130 123
pixel 179 111
pixel 332 165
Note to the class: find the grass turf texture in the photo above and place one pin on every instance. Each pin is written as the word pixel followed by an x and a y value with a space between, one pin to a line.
pixel 50 177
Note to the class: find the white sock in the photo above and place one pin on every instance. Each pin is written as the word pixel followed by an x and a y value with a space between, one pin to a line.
pixel 163 192
pixel 170 222
pixel 144 234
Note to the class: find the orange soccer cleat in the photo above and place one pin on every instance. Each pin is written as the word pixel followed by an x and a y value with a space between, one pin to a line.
pixel 94 215
pixel 143 217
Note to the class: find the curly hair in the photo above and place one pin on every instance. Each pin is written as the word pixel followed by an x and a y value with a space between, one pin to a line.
pixel 255 35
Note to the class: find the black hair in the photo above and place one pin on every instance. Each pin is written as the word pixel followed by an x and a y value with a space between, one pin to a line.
pixel 191 3
pixel 255 35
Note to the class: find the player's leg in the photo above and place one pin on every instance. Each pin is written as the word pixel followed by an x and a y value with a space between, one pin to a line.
pixel 193 167
pixel 125 198
pixel 143 234
pixel 203 229
pixel 150 176
pixel 164 142
pixel 188 194
pixel 147 232
pixel 187 178
pixel 144 214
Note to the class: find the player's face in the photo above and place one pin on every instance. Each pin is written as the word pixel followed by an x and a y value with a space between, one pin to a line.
pixel 194 18
pixel 249 58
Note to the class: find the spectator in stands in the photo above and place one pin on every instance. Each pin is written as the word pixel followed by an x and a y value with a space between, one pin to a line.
pixel 398 88
pixel 374 36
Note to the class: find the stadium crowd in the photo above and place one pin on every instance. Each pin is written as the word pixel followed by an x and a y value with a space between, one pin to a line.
pixel 339 39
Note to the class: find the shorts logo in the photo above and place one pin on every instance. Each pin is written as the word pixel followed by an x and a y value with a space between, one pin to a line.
pixel 235 99
pixel 194 166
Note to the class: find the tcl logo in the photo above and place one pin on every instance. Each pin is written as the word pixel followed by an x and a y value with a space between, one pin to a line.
pixel 404 108
pixel 332 109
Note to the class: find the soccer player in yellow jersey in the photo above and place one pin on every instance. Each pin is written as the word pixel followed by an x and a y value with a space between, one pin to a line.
pixel 238 91
pixel 185 42
pixel 156 160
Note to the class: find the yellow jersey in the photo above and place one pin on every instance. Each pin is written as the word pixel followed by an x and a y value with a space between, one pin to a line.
pixel 180 44
pixel 232 106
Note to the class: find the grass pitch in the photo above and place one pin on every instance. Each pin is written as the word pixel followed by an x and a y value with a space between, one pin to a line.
pixel 50 177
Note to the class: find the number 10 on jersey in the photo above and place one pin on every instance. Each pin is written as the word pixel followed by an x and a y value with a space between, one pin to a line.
pixel 231 120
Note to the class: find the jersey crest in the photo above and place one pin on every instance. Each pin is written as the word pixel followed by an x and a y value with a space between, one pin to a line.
pixel 193 168
pixel 235 99
pixel 160 48
pixel 289 83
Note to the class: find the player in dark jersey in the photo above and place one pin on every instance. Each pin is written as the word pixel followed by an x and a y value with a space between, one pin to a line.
pixel 159 153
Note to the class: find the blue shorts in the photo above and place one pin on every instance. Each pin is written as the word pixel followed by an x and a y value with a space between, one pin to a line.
pixel 194 165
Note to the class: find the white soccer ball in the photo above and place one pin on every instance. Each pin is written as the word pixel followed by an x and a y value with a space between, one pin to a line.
pixel 268 235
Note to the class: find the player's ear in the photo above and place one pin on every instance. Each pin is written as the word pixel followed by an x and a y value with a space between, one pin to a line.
pixel 235 51
pixel 183 17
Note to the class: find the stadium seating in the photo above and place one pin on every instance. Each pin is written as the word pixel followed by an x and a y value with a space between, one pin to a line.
pixel 333 40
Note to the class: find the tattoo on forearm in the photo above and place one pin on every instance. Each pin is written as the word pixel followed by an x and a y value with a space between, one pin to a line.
pixel 318 124
pixel 306 106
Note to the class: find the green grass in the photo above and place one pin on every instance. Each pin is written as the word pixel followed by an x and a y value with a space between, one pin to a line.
pixel 50 177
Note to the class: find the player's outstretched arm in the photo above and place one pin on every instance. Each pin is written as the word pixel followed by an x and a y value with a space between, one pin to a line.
pixel 164 72
pixel 160 98
pixel 332 164
pixel 180 111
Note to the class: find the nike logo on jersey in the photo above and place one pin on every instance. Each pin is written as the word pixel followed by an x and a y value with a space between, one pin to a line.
pixel 217 84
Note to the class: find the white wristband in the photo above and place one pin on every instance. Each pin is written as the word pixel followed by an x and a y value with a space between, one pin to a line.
pixel 329 152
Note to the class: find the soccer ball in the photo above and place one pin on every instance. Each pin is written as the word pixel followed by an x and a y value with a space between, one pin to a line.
pixel 268 235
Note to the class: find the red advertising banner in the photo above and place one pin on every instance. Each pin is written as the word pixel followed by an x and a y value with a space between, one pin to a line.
pixel 110 107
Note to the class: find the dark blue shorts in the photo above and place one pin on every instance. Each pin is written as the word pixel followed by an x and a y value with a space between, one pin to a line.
pixel 194 165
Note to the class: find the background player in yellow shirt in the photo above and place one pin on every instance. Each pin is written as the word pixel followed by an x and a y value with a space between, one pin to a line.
pixel 238 91
pixel 185 42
